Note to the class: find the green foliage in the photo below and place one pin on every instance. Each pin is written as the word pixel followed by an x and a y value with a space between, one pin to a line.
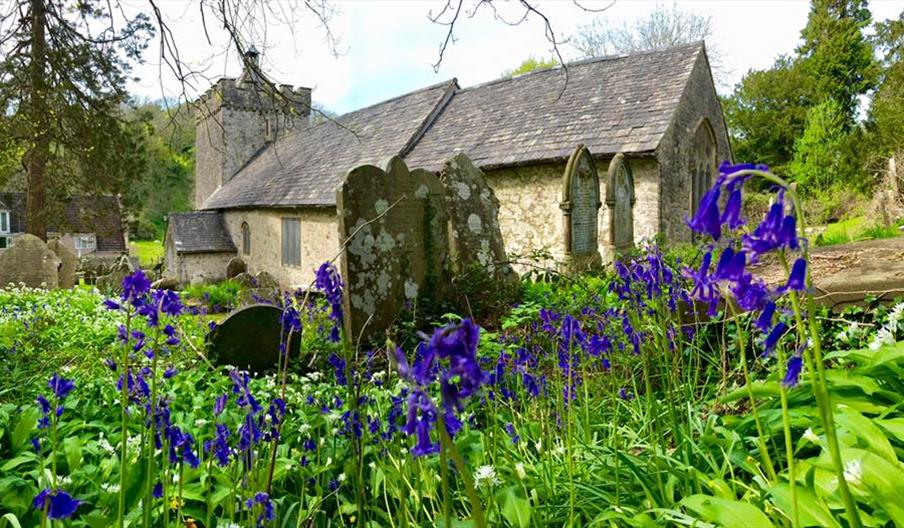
pixel 529 65
pixel 886 117
pixel 767 113
pixel 165 186
pixel 220 296
pixel 819 162
pixel 836 54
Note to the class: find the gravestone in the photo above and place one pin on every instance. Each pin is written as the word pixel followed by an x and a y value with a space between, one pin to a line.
pixel 474 234
pixel 31 262
pixel 68 263
pixel 580 205
pixel 112 281
pixel 235 266
pixel 249 338
pixel 620 200
pixel 394 223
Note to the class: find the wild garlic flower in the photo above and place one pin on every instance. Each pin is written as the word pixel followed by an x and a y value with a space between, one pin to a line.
pixel 520 471
pixel 853 472
pixel 810 436
pixel 485 477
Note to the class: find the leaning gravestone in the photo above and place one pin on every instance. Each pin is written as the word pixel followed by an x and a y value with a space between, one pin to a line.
pixel 393 221
pixel 250 338
pixel 474 234
pixel 31 262
pixel 580 205
pixel 68 263
pixel 620 201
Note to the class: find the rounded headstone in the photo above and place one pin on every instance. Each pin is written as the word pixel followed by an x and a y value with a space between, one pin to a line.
pixel 31 262
pixel 235 266
pixel 265 280
pixel 68 263
pixel 249 338
pixel 166 283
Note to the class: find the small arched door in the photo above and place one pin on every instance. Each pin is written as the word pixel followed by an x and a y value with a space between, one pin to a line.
pixel 620 199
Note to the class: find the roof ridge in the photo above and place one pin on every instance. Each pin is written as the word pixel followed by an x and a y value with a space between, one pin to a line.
pixel 582 62
pixel 435 112
pixel 453 81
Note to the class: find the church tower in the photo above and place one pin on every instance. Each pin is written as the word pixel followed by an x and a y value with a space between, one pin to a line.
pixel 238 117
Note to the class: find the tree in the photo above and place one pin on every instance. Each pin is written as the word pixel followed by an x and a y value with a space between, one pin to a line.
pixel 531 64
pixel 62 78
pixel 836 54
pixel 886 119
pixel 768 112
pixel 663 28
pixel 819 153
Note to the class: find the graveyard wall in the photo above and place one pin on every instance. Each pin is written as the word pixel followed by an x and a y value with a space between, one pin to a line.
pixel 319 241
pixel 675 152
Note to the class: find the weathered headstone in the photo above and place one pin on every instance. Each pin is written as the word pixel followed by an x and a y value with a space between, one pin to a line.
pixel 474 234
pixel 112 281
pixel 393 220
pixel 166 283
pixel 249 338
pixel 620 201
pixel 31 262
pixel 235 266
pixel 68 263
pixel 580 205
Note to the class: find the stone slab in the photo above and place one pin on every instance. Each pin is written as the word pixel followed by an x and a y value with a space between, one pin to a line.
pixel 31 262
pixel 249 339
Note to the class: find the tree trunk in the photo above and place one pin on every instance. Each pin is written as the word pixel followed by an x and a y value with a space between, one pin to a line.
pixel 39 145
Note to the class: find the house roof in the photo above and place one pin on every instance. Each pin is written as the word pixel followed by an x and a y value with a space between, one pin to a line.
pixel 199 232
pixel 101 215
pixel 610 104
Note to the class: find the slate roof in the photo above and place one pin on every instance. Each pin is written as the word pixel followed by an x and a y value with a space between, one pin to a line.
pixel 101 215
pixel 304 168
pixel 611 104
pixel 199 232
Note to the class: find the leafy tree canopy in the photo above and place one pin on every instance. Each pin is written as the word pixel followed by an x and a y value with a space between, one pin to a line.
pixel 531 64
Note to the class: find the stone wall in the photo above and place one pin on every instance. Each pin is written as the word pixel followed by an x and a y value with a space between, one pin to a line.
pixel 699 101
pixel 234 122
pixel 195 268
pixel 319 241
pixel 529 213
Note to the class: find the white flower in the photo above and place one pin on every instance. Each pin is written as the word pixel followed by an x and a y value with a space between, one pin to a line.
pixel 304 428
pixel 329 460
pixel 110 487
pixel 341 477
pixel 104 444
pixel 539 445
pixel 810 436
pixel 485 476
pixel 200 422
pixel 853 471
pixel 520 471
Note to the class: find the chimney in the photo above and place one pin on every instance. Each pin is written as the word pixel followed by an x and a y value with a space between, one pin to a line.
pixel 251 73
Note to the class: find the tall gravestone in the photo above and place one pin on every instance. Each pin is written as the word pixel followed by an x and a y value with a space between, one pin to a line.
pixel 393 223
pixel 31 262
pixel 68 263
pixel 580 205
pixel 475 237
pixel 620 200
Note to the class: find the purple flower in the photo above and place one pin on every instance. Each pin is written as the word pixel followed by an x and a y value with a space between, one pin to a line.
pixel 111 364
pixel 510 429
pixel 624 394
pixel 169 372
pixel 57 504
pixel 792 374
pixel 60 386
pixel 42 402
pixel 338 368
pixel 328 281
pixel 707 219
pixel 158 490
pixel 731 216
pixel 219 405
pixel 798 276
pixel 110 304
pixel 772 339
pixel 135 287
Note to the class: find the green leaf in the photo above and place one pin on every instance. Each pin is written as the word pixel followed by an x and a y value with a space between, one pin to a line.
pixel 28 422
pixel 760 389
pixel 72 446
pixel 515 509
pixel 11 520
pixel 866 430
pixel 811 510
pixel 725 512
pixel 894 427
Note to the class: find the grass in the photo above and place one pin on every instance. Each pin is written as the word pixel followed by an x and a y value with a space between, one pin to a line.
pixel 853 229
pixel 149 252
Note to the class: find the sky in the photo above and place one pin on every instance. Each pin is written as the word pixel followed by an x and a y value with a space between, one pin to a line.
pixel 387 48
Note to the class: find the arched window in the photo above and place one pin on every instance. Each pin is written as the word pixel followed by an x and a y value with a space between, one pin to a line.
pixel 702 163
pixel 246 239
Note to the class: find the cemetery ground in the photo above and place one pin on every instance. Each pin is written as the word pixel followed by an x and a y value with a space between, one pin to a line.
pixel 668 389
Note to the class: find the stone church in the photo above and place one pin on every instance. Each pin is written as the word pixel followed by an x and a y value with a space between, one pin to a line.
pixel 650 126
